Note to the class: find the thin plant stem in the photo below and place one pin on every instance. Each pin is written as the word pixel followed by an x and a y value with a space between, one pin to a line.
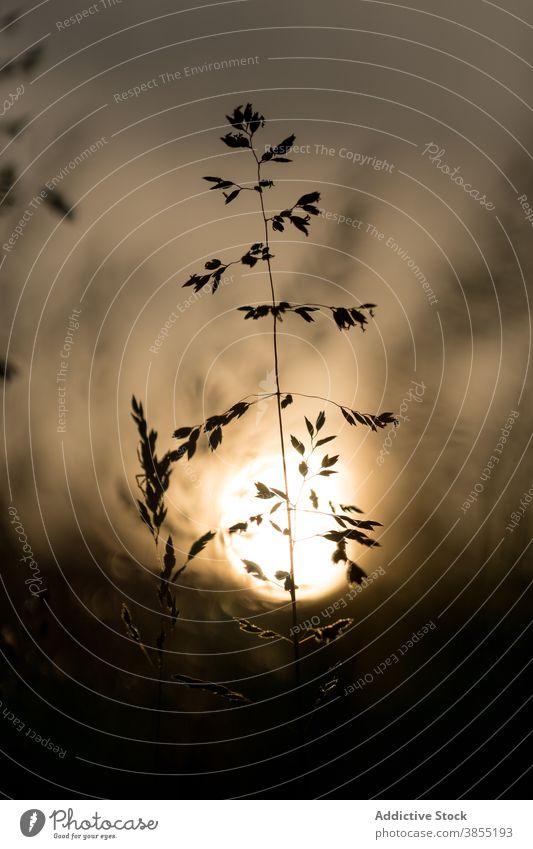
pixel 295 642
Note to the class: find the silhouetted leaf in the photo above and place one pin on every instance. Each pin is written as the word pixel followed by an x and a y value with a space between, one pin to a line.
pixel 320 421
pixel 263 491
pixel 235 140
pixel 325 440
pixel 214 421
pixel 155 477
pixel 256 122
pixel 303 468
pixel 216 278
pixel 348 416
pixel 238 409
pixel 196 548
pixel 7 371
pixel 160 644
pixel 329 689
pixel 330 632
pixel 312 197
pixel 388 418
pixel 348 317
pixel 263 634
pixel 286 401
pixel 305 313
pixel 313 498
pixel 259 312
pixel 8 177
pixel 13 128
pixel 198 281
pixel 131 629
pixel 174 612
pixel 236 119
pixel 8 68
pixel 351 534
pixel 287 580
pixel 169 560
pixel 232 195
pixel 255 570
pixel 166 597
pixel 182 432
pixel 354 573
pixel 300 223
pixel 238 526
pixel 297 445
pixel 284 146
pixel 143 512
pixel 309 426
pixel 56 202
pixel 339 555
pixel 350 508
pixel 133 632
pixel 215 438
pixel 31 58
pixel 281 575
pixel 191 445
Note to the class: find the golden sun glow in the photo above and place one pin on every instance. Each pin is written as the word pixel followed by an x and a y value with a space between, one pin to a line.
pixel 262 543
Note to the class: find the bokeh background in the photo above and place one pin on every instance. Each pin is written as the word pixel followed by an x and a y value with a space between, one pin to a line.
pixel 357 83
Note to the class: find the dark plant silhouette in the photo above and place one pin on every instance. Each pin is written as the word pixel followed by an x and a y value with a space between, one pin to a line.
pixel 347 528
pixel 245 123
pixel 153 482
pixel 12 71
